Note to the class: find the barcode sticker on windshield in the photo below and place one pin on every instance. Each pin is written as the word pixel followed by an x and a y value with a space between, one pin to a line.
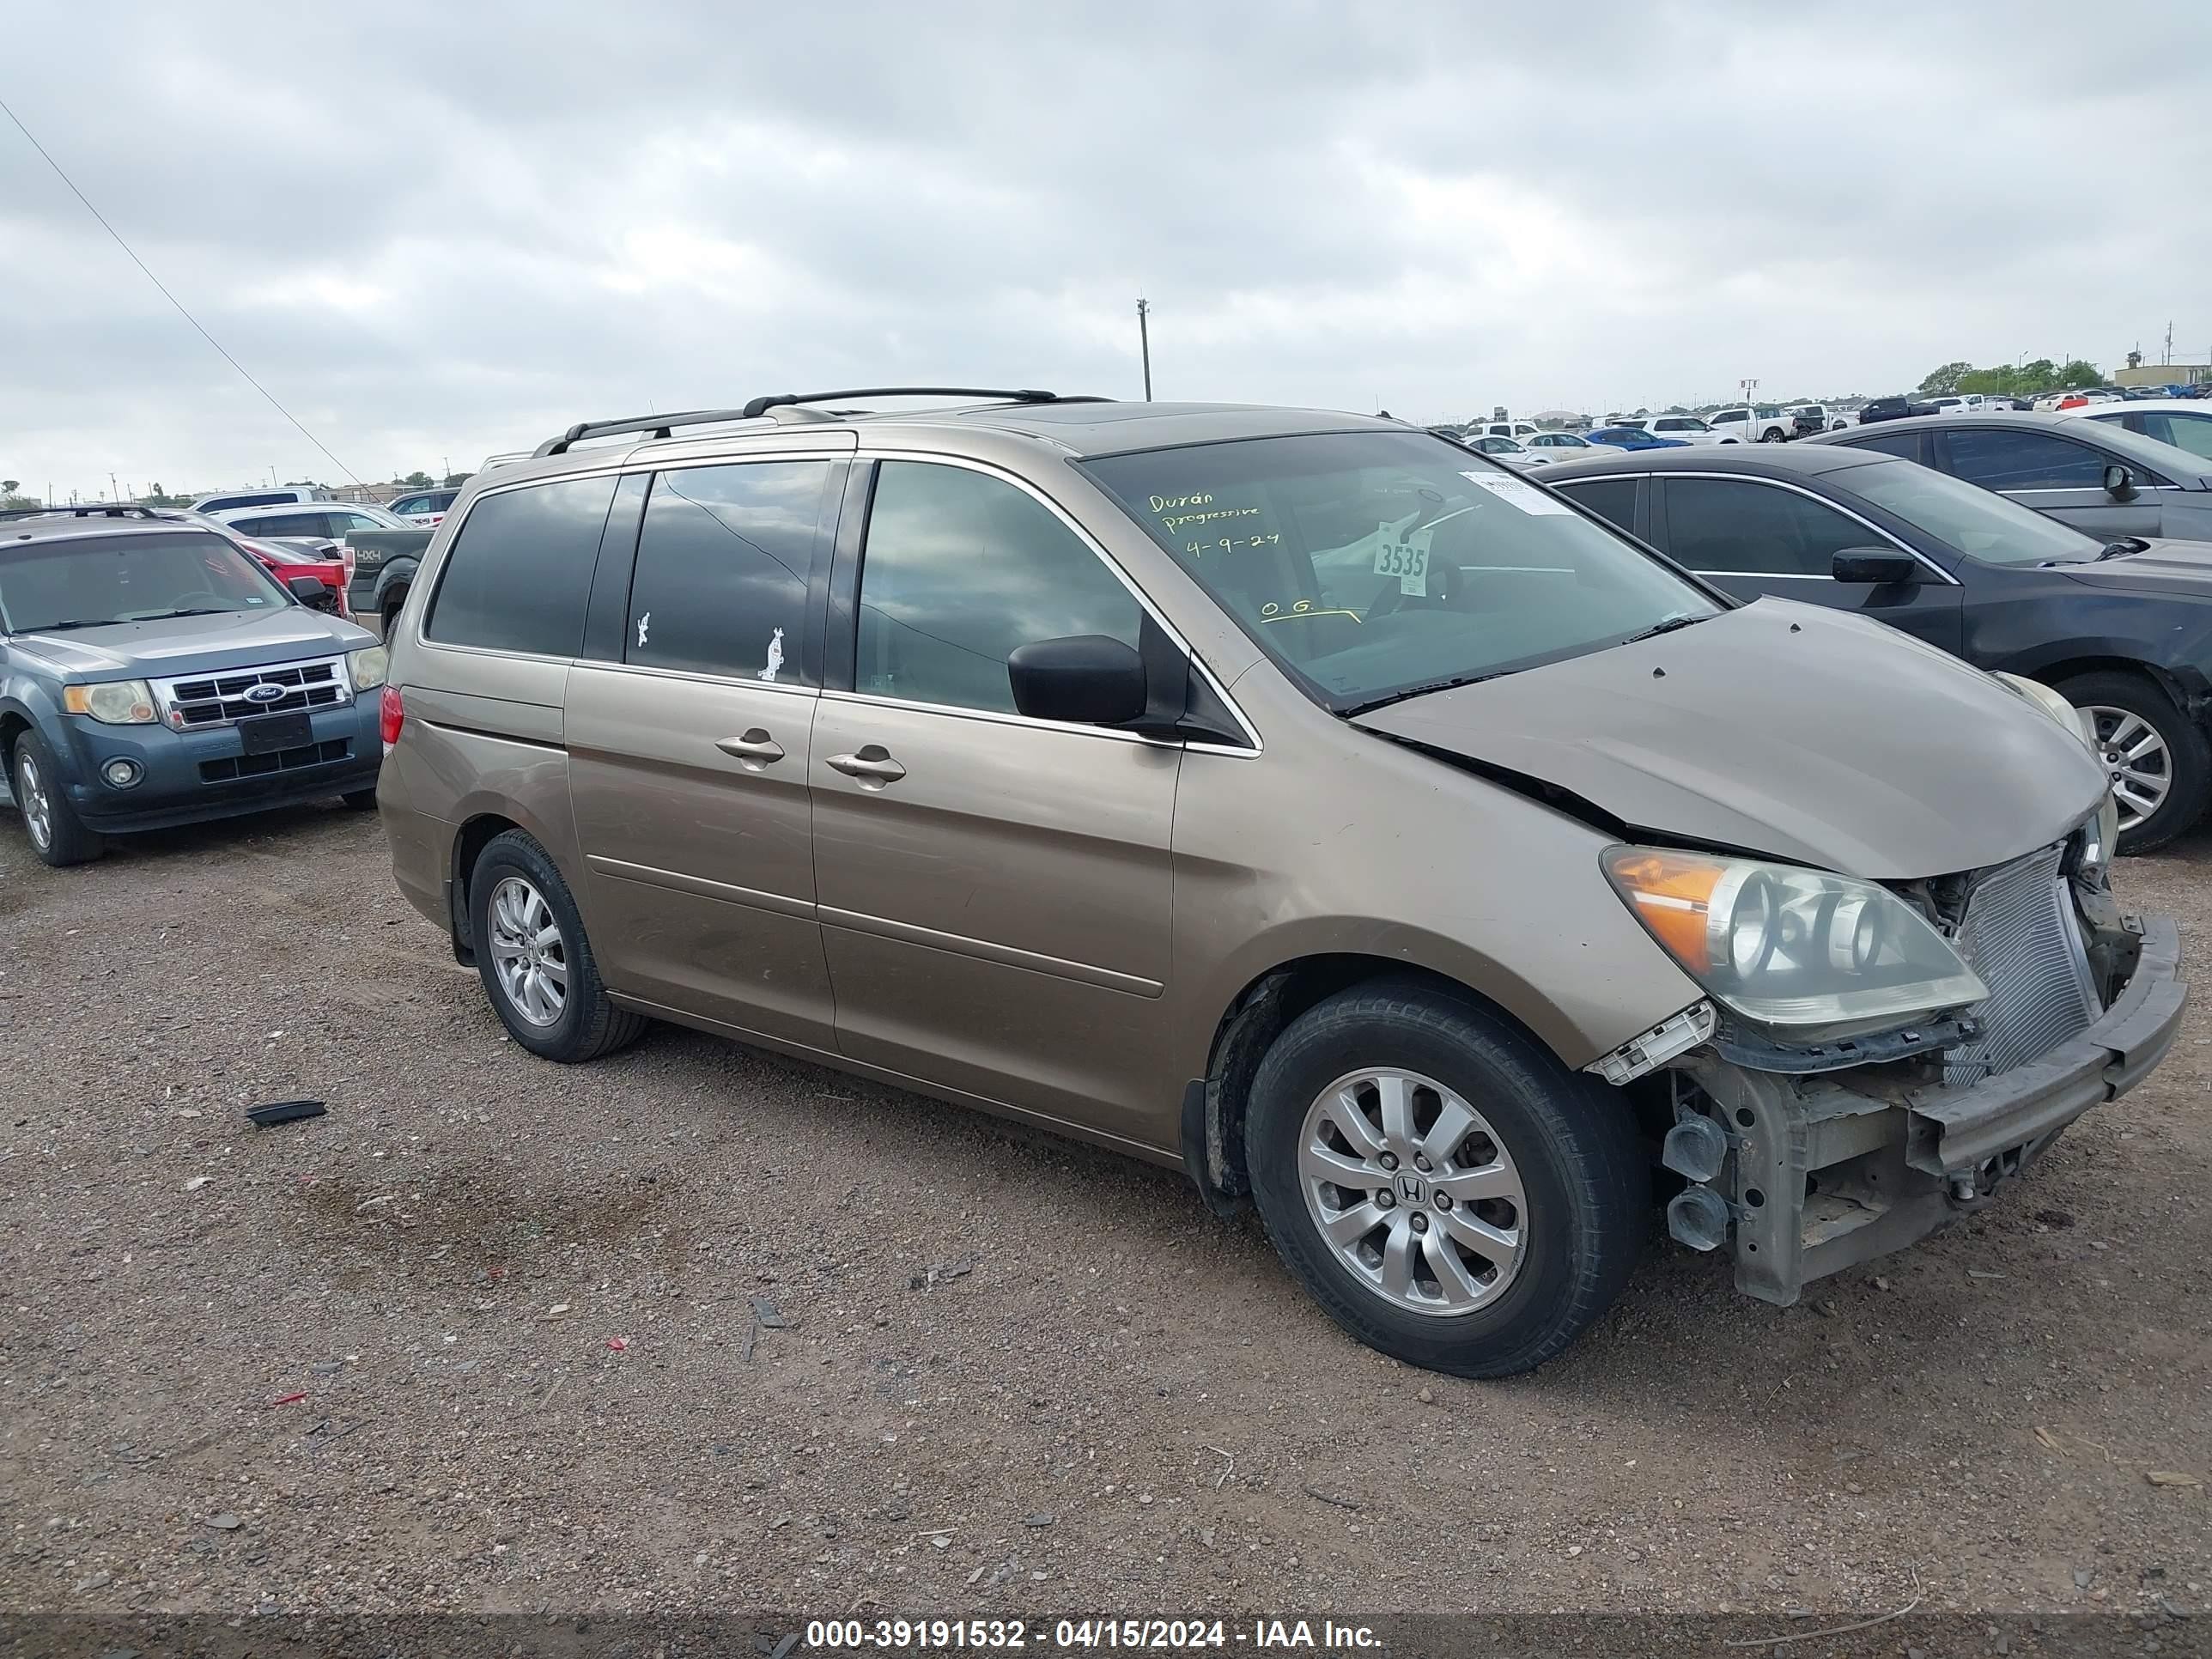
pixel 1519 491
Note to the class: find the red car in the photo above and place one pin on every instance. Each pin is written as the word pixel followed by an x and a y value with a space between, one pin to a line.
pixel 281 561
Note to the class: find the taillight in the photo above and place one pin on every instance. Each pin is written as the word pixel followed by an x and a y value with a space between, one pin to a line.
pixel 345 557
pixel 390 714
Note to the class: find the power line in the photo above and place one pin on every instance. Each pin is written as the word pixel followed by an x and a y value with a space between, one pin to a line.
pixel 172 298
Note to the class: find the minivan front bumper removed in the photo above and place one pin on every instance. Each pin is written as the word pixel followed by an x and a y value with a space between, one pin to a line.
pixel 1822 1173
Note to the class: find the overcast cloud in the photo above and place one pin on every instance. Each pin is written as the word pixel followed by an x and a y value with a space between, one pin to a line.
pixel 435 232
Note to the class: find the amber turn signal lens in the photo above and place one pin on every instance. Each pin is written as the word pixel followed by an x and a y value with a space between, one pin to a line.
pixel 1673 895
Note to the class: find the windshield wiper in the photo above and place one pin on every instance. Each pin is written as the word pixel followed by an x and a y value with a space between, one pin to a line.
pixel 63 626
pixel 2125 544
pixel 194 610
pixel 1666 626
pixel 1452 684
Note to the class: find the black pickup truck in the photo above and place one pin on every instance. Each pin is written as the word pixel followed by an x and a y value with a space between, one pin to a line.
pixel 383 566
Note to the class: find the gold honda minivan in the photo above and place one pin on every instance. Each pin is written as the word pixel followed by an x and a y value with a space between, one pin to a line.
pixel 1295 798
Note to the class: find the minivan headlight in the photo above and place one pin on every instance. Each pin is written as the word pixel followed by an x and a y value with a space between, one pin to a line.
pixel 367 666
pixel 1797 950
pixel 114 703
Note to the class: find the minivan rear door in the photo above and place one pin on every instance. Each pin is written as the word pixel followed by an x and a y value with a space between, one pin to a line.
pixel 689 728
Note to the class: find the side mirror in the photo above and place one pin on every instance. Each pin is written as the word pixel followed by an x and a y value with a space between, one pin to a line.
pixel 312 593
pixel 1088 680
pixel 1879 565
pixel 2119 482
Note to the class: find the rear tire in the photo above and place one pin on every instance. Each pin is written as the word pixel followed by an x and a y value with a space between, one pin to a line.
pixel 389 616
pixel 2122 704
pixel 58 834
pixel 535 962
pixel 360 800
pixel 1553 1183
pixel 1772 435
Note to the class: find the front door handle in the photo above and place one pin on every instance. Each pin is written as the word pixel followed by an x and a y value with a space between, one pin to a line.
pixel 753 751
pixel 871 765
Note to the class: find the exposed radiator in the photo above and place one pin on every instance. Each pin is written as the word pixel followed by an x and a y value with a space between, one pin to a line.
pixel 2021 936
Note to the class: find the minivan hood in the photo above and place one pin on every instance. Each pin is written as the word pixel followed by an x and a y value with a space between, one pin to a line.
pixel 191 645
pixel 2164 567
pixel 1784 729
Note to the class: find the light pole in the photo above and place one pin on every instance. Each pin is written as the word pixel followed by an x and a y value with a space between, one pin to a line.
pixel 1145 342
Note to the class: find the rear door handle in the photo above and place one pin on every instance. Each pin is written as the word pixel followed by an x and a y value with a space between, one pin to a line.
pixel 753 751
pixel 871 765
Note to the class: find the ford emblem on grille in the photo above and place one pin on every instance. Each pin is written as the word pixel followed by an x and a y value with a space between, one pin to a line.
pixel 265 692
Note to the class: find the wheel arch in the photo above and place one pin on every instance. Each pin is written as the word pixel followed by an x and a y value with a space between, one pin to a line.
pixel 474 834
pixel 1215 1105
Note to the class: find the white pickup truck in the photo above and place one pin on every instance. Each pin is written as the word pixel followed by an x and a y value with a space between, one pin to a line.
pixel 1759 423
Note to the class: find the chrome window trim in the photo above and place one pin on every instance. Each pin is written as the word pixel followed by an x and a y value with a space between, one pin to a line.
pixel 1945 576
pixel 1099 552
pixel 695 675
pixel 626 462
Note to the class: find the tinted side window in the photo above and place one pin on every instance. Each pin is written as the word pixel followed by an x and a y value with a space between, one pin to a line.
pixel 517 577
pixel 1903 444
pixel 958 570
pixel 2006 459
pixel 722 567
pixel 1748 528
pixel 1612 499
pixel 2189 431
pixel 286 523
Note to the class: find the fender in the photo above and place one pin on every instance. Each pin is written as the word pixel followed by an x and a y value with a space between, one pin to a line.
pixel 24 698
pixel 397 572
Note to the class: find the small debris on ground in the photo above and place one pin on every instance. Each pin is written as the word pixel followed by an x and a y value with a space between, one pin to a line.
pixel 284 1111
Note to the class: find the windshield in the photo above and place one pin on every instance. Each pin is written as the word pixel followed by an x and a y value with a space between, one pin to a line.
pixel 1373 565
pixel 120 579
pixel 1976 522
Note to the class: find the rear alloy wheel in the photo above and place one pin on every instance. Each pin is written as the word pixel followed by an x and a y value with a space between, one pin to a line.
pixel 1449 1194
pixel 536 964
pixel 58 834
pixel 2155 758
pixel 1773 434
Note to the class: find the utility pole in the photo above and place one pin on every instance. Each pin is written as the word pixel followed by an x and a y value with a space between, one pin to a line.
pixel 114 489
pixel 1145 342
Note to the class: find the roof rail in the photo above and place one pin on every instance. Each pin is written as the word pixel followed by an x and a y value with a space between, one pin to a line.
pixel 83 510
pixel 760 406
pixel 659 425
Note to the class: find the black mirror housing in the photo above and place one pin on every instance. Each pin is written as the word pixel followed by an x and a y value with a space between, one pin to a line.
pixel 2119 482
pixel 1879 565
pixel 312 593
pixel 1086 680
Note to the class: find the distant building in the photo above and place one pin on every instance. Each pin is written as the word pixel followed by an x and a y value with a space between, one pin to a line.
pixel 2164 374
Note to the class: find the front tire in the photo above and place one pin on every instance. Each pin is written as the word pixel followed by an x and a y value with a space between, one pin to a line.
pixel 2157 759
pixel 535 962
pixel 58 834
pixel 1492 1203
pixel 360 800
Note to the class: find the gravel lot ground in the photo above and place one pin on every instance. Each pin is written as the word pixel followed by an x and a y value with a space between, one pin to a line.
pixel 512 1309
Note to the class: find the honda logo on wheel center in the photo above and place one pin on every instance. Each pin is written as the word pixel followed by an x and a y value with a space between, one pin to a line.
pixel 1411 1188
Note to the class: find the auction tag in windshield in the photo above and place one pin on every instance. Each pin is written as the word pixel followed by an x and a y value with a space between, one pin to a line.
pixel 1409 561
pixel 1519 491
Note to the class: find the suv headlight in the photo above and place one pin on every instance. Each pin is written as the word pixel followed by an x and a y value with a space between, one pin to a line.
pixel 1797 950
pixel 115 703
pixel 367 667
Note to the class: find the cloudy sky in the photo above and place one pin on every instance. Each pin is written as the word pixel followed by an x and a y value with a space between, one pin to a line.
pixel 435 232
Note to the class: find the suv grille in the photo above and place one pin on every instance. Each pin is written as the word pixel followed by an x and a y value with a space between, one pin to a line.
pixel 221 699
pixel 284 760
pixel 2020 935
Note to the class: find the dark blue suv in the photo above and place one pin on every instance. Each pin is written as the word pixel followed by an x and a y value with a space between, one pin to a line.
pixel 152 674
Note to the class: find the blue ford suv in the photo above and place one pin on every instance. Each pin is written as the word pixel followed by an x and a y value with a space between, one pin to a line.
pixel 152 674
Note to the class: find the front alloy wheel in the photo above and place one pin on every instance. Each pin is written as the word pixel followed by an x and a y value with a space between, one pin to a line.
pixel 1412 1190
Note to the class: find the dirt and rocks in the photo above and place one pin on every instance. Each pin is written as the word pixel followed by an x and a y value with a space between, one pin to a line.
pixel 698 1328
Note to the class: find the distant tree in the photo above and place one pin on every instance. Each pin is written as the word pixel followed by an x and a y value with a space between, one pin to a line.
pixel 455 480
pixel 10 486
pixel 2079 372
pixel 1944 381
pixel 417 480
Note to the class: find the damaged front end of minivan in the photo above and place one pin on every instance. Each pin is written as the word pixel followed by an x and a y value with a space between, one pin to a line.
pixel 1815 1133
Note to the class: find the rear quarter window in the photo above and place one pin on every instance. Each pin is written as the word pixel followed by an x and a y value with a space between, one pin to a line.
pixel 1613 500
pixel 520 571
